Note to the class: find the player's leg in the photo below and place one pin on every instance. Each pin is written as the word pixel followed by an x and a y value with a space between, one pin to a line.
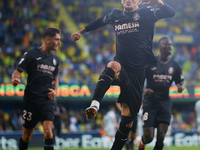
pixel 161 131
pixel 132 135
pixel 30 119
pixel 122 133
pixel 26 137
pixel 127 144
pixel 163 121
pixel 111 72
pixel 149 123
pixel 56 131
pixel 48 135
pixel 47 116
pixel 147 137
pixel 132 138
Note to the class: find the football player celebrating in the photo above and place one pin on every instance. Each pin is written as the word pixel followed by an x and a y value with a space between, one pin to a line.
pixel 157 104
pixel 41 66
pixel 134 28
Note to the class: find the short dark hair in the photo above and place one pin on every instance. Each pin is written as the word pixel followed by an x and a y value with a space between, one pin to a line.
pixel 51 31
pixel 163 38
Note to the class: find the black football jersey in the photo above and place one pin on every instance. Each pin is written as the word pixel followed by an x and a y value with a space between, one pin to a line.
pixel 160 78
pixel 41 68
pixel 134 36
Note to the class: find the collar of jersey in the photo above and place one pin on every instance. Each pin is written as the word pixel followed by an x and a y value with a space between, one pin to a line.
pixel 44 52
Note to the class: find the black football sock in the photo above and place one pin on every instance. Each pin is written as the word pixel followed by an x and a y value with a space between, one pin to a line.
pixel 103 84
pixel 131 144
pixel 120 140
pixel 122 133
pixel 158 147
pixel 127 144
pixel 48 144
pixel 23 145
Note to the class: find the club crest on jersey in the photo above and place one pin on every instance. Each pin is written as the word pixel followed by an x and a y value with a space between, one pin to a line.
pixel 54 62
pixel 136 16
pixel 171 70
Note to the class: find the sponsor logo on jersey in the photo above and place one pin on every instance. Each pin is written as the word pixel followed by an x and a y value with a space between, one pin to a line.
pixel 54 62
pixel 136 16
pixel 171 70
pixel 116 20
pixel 127 26
pixel 162 78
pixel 45 68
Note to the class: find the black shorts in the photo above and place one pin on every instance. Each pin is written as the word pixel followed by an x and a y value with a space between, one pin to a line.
pixel 34 113
pixel 156 112
pixel 131 85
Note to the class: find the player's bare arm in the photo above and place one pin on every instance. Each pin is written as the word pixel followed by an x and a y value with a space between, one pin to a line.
pixel 76 36
pixel 16 77
pixel 53 92
pixel 159 3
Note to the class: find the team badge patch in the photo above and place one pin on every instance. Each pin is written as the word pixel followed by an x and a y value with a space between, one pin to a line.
pixel 136 16
pixel 171 70
pixel 54 62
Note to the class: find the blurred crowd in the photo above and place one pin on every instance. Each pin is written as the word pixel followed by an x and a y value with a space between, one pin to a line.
pixel 186 22
pixel 22 23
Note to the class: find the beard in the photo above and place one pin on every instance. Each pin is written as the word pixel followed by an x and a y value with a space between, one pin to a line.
pixel 128 9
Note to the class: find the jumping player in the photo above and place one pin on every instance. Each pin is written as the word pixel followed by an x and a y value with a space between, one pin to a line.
pixel 157 104
pixel 41 66
pixel 134 28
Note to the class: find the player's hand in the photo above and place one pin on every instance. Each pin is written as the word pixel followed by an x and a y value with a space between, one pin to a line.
pixel 159 3
pixel 15 81
pixel 52 93
pixel 76 36
pixel 180 88
pixel 148 92
pixel 91 112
